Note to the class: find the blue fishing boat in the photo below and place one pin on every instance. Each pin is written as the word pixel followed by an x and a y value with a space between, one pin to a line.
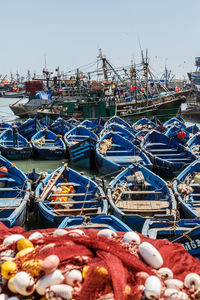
pixel 144 123
pixel 66 192
pixel 118 120
pixel 4 126
pixel 47 145
pixel 185 232
pixel 167 155
pixel 80 143
pixel 175 121
pixel 194 144
pixel 92 126
pixel 14 194
pixel 46 121
pixel 187 190
pixel 193 129
pixel 156 121
pixel 177 133
pixel 73 122
pixel 29 128
pixel 141 134
pixel 14 147
pixel 60 126
pixel 122 131
pixel 100 121
pixel 113 152
pixel 137 194
pixel 95 222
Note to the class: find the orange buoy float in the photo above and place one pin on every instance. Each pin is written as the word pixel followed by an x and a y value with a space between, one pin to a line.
pixel 3 169
pixel 181 135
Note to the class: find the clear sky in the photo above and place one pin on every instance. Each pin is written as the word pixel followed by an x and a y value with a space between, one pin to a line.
pixel 70 33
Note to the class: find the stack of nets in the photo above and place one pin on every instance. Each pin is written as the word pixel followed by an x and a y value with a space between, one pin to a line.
pixel 92 264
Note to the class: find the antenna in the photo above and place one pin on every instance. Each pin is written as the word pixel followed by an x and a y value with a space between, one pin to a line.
pixel 45 62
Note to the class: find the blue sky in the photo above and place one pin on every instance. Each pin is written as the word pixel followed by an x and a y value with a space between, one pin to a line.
pixel 70 33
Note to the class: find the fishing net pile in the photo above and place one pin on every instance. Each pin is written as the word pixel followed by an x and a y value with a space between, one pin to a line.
pixel 92 264
pixel 105 145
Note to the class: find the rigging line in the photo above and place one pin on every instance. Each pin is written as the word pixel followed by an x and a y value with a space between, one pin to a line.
pixel 80 67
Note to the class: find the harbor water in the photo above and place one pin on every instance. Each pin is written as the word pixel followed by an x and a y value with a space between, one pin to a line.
pixel 27 166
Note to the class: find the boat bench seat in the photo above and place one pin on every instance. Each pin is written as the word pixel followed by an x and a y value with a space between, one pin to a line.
pixel 49 140
pixel 10 202
pixel 79 136
pixel 155 144
pixel 110 152
pixel 171 154
pixel 142 205
pixel 117 145
pixel 48 147
pixel 68 183
pixel 72 211
pixel 181 159
pixel 7 179
pixel 164 150
pixel 124 159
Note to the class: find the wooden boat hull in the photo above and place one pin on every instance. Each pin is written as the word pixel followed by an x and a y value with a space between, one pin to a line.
pixel 88 198
pixel 14 195
pixel 46 145
pixel 120 154
pixel 189 208
pixel 168 157
pixel 152 204
pixel 18 149
pixel 16 153
pixel 95 222
pixel 185 232
pixel 82 154
pixel 14 217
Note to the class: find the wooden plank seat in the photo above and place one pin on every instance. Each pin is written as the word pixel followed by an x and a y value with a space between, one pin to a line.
pixel 11 202
pixel 122 152
pixel 75 210
pixel 164 150
pixel 49 146
pixel 171 154
pixel 7 179
pixel 73 202
pixel 181 159
pixel 124 159
pixel 78 136
pixel 156 144
pixel 6 189
pixel 142 192
pixel 116 145
pixel 141 205
pixel 68 183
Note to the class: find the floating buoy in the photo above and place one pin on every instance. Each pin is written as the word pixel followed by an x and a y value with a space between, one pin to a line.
pixel 73 276
pixel 150 255
pixel 131 237
pixel 50 263
pixel 192 280
pixel 23 244
pixel 35 236
pixel 53 278
pixel 23 283
pixel 107 233
pixel 8 269
pixel 152 287
pixel 12 238
pixel 166 273
pixel 59 291
pixel 3 169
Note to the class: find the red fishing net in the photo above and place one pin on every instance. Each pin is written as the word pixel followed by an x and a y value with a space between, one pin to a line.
pixel 113 266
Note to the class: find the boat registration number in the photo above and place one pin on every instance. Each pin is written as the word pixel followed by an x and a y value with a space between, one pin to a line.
pixel 191 245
